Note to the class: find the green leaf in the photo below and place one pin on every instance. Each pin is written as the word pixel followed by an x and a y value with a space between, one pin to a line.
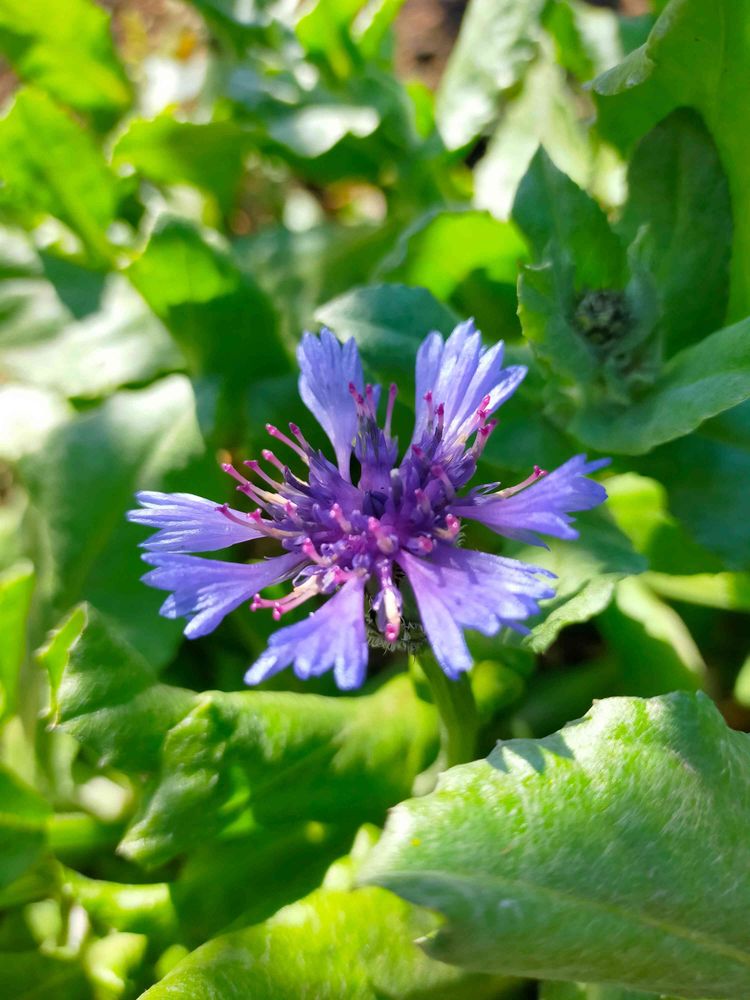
pixel 142 909
pixel 38 142
pixel 696 384
pixel 16 587
pixel 587 991
pixel 107 696
pixel 697 56
pixel 31 975
pixel 448 252
pixel 221 319
pixel 546 111
pixel 82 334
pixel 67 51
pixel 562 221
pixel 586 570
pixel 705 475
pixel 241 760
pixel 606 824
pixel 496 43
pixel 678 191
pixel 23 820
pixel 388 323
pixel 167 151
pixel 656 651
pixel 334 943
pixel 81 483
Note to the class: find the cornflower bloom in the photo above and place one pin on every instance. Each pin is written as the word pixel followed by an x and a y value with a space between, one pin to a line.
pixel 356 539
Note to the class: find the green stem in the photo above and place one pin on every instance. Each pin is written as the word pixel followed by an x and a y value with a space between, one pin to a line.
pixel 458 713
pixel 79 832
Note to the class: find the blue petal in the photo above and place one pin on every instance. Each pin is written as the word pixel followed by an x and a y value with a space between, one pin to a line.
pixel 460 373
pixel 327 367
pixel 459 588
pixel 332 637
pixel 206 590
pixel 187 523
pixel 543 507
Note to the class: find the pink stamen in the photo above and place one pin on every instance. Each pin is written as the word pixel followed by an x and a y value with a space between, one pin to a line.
pixel 422 501
pixel 276 433
pixel 439 473
pixel 392 630
pixel 425 544
pixel 254 466
pixel 430 408
pixel 452 527
pixel 268 456
pixel 297 433
pixel 370 394
pixel 535 475
pixel 309 550
pixel 482 437
pixel 336 514
pixel 231 516
pixel 230 470
pixel 383 539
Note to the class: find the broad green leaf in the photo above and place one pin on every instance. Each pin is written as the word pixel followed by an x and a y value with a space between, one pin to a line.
pixel 697 55
pixel 258 758
pixel 27 415
pixel 388 323
pixel 66 50
pixel 221 319
pixel 496 43
pixel 656 651
pixel 106 695
pixel 81 482
pixel 622 821
pixel 729 591
pixel 698 383
pixel 207 155
pixel 112 964
pixel 16 586
pixel 586 570
pixel 23 819
pixel 38 143
pixel 334 943
pixel 678 191
pixel 562 221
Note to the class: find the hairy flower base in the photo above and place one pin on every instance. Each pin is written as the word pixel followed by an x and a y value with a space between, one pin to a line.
pixel 356 539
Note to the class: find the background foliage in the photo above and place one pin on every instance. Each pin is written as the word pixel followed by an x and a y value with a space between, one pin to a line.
pixel 180 197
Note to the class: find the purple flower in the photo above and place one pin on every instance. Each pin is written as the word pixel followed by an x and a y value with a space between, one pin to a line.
pixel 371 541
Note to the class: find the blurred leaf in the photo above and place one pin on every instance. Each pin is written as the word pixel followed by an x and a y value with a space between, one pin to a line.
pixel 545 111
pixel 31 975
pixel 388 323
pixel 221 319
pixel 245 759
pixel 82 481
pixel 655 649
pixel 606 823
pixel 588 991
pixel 66 49
pixel 142 909
pixel 82 334
pixel 27 415
pixel 204 894
pixel 706 476
pixel 639 508
pixel 728 591
pixel 696 384
pixel 678 191
pixel 167 151
pixel 696 55
pixel 111 963
pixel 38 143
pixel 496 43
pixel 586 570
pixel 23 820
pixel 16 587
pixel 445 252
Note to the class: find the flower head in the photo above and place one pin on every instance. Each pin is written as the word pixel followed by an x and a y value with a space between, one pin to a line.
pixel 357 538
